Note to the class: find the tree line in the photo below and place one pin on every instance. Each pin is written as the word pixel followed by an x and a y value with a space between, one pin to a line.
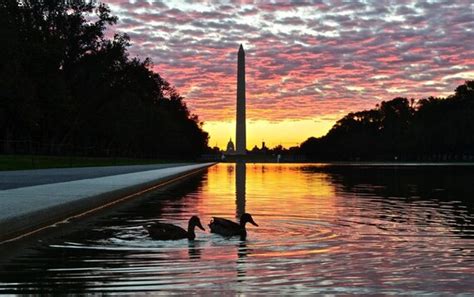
pixel 429 129
pixel 65 85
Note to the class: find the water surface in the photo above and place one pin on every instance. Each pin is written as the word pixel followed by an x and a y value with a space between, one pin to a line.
pixel 322 229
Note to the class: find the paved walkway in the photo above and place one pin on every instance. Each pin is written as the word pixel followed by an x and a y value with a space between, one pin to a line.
pixel 25 178
pixel 24 209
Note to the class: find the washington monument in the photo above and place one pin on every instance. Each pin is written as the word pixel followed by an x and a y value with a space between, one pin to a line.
pixel 240 137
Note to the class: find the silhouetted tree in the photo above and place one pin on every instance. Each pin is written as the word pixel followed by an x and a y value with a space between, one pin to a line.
pixel 64 85
pixel 433 129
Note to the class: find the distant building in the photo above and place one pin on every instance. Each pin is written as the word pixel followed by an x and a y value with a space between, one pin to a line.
pixel 230 148
pixel 255 149
pixel 259 151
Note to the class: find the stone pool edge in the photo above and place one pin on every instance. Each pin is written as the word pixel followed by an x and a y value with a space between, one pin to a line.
pixel 27 210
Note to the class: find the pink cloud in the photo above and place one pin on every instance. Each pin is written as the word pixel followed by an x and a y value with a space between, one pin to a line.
pixel 304 60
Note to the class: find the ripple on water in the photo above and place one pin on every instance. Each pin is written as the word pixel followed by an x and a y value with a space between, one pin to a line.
pixel 321 230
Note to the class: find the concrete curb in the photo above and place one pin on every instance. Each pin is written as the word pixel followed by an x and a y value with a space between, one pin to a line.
pixel 29 209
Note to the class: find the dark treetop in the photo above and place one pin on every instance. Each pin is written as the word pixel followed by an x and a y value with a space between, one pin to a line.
pixel 67 88
pixel 431 129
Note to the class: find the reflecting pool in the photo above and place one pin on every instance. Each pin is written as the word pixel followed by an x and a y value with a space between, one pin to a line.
pixel 354 229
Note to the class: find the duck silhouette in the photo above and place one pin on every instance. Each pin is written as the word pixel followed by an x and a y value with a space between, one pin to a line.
pixel 164 231
pixel 228 228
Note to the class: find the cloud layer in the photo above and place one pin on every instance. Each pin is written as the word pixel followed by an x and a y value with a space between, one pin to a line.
pixel 305 59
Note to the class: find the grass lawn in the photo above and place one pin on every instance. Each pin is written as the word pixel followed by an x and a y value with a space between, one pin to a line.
pixel 19 162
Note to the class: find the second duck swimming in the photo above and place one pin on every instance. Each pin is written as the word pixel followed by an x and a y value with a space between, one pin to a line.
pixel 226 227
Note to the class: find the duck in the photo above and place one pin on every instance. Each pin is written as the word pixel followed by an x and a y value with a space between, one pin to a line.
pixel 163 231
pixel 228 228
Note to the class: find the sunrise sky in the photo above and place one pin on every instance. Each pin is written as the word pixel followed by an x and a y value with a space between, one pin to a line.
pixel 308 63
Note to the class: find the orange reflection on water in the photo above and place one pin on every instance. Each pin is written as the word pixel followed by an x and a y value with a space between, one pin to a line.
pixel 302 211
pixel 290 206
pixel 323 229
pixel 265 190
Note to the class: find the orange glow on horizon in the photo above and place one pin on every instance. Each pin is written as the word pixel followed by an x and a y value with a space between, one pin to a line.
pixel 287 133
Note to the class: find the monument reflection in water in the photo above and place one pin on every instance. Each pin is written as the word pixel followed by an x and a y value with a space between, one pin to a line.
pixel 240 180
pixel 323 229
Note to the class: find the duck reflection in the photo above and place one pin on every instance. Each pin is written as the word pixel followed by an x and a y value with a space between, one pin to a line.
pixel 242 253
pixel 194 251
